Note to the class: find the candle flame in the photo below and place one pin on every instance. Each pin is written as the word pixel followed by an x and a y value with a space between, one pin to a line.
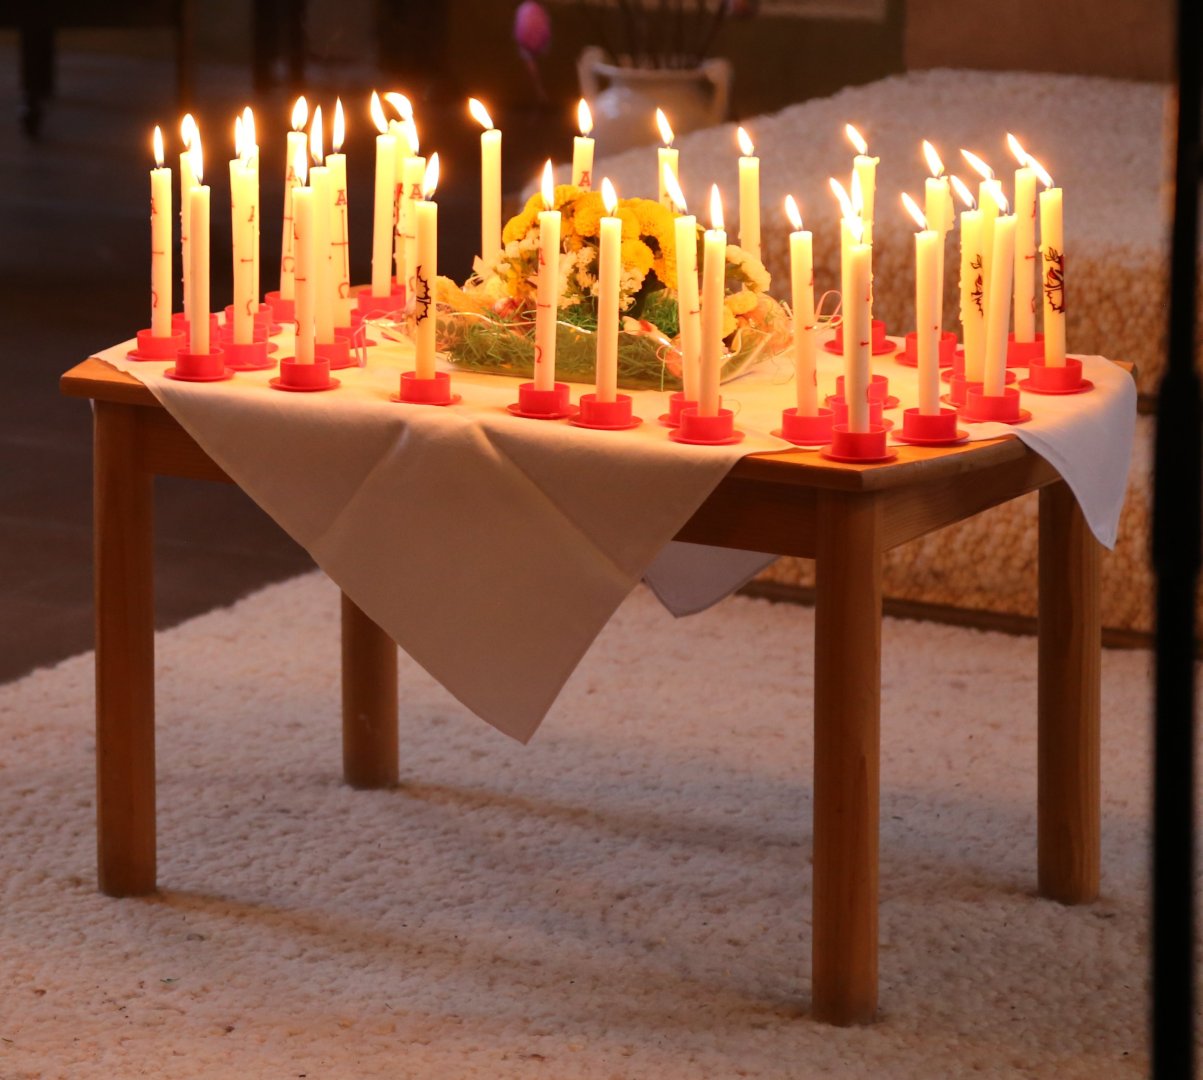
pixel 1040 171
pixel 339 128
pixel 239 147
pixel 912 208
pixel 793 213
pixel 745 142
pixel 673 187
pixel 856 139
pixel 315 137
pixel 933 159
pixel 197 157
pixel 377 111
pixel 548 187
pixel 963 192
pixel 609 196
pixel 978 165
pixel 300 114
pixel 856 227
pixel 411 134
pixel 584 118
pixel 837 189
pixel 248 131
pixel 480 114
pixel 401 103
pixel 716 208
pixel 430 180
pixel 158 143
pixel 666 131
pixel 300 164
pixel 188 130
pixel 1016 148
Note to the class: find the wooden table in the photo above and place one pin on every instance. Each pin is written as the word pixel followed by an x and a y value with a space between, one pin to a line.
pixel 843 516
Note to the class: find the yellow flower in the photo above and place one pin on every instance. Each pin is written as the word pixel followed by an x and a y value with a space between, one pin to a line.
pixel 740 303
pixel 636 255
pixel 519 225
pixel 729 323
pixel 630 222
pixel 589 211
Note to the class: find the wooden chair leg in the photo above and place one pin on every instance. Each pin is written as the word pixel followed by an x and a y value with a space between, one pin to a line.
pixel 125 677
pixel 1068 703
pixel 847 753
pixel 369 701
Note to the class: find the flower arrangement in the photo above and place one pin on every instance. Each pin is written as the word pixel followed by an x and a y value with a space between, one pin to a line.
pixel 488 323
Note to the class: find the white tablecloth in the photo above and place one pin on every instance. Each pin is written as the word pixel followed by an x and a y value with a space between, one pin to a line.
pixel 492 548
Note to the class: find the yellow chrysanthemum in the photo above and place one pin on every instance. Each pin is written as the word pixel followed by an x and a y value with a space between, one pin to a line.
pixel 636 255
pixel 519 225
pixel 729 323
pixel 740 303
pixel 589 211
pixel 630 222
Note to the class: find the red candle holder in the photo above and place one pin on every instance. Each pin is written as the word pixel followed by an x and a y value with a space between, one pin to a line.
pixel 1023 353
pixel 303 378
pixel 676 403
pixel 336 353
pixel 432 391
pixel 839 412
pixel 879 341
pixel 369 306
pixel 200 367
pixel 542 404
pixel 958 386
pixel 606 415
pixel 264 319
pixel 928 429
pixel 957 367
pixel 157 348
pixel 283 311
pixel 251 356
pixel 805 430
pixel 1046 378
pixel 1001 408
pixel 858 447
pixel 356 335
pixel 908 356
pixel 879 390
pixel 719 430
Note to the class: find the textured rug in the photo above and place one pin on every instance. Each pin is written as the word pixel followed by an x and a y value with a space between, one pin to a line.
pixel 628 896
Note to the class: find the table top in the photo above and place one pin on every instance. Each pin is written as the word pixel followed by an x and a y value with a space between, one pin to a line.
pixel 97 381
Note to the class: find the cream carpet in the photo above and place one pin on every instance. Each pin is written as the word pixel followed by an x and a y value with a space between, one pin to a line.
pixel 629 896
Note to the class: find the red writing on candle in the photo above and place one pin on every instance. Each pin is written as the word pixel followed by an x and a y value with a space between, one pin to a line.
pixel 1054 279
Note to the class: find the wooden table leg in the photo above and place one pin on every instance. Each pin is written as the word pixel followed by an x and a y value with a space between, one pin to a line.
pixel 847 752
pixel 125 676
pixel 369 701
pixel 1068 702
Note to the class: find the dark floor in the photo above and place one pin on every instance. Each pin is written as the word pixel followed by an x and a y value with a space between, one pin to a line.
pixel 73 279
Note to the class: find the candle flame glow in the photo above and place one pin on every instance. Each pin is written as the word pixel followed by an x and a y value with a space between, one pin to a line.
pixel 197 157
pixel 158 143
pixel 339 129
pixel 912 208
pixel 963 192
pixel 716 208
pixel 584 118
pixel 188 130
pixel 300 164
pixel 837 189
pixel 856 139
pixel 856 228
pixel 609 196
pixel 239 143
pixel 1016 148
pixel 430 180
pixel 1003 206
pixel 978 165
pixel 666 131
pixel 548 187
pixel 401 103
pixel 673 188
pixel 250 141
pixel 411 133
pixel 315 137
pixel 793 213
pixel 1040 171
pixel 377 111
pixel 480 114
pixel 745 142
pixel 300 114
pixel 933 159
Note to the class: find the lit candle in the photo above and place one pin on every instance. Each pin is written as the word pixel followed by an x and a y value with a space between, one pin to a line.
pixel 749 194
pixel 242 237
pixel 426 269
pixel 340 240
pixel 1052 252
pixel 864 169
pixel 547 300
pixel 689 312
pixel 490 182
pixel 802 285
pixel 609 268
pixel 582 148
pixel 973 307
pixel 666 157
pixel 198 251
pixel 413 172
pixel 295 151
pixel 383 202
pixel 714 273
pixel 927 246
pixel 938 212
pixel 400 128
pixel 303 226
pixel 188 132
pixel 321 272
pixel 252 161
pixel 855 313
pixel 1025 244
pixel 989 198
pixel 998 309
pixel 160 243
